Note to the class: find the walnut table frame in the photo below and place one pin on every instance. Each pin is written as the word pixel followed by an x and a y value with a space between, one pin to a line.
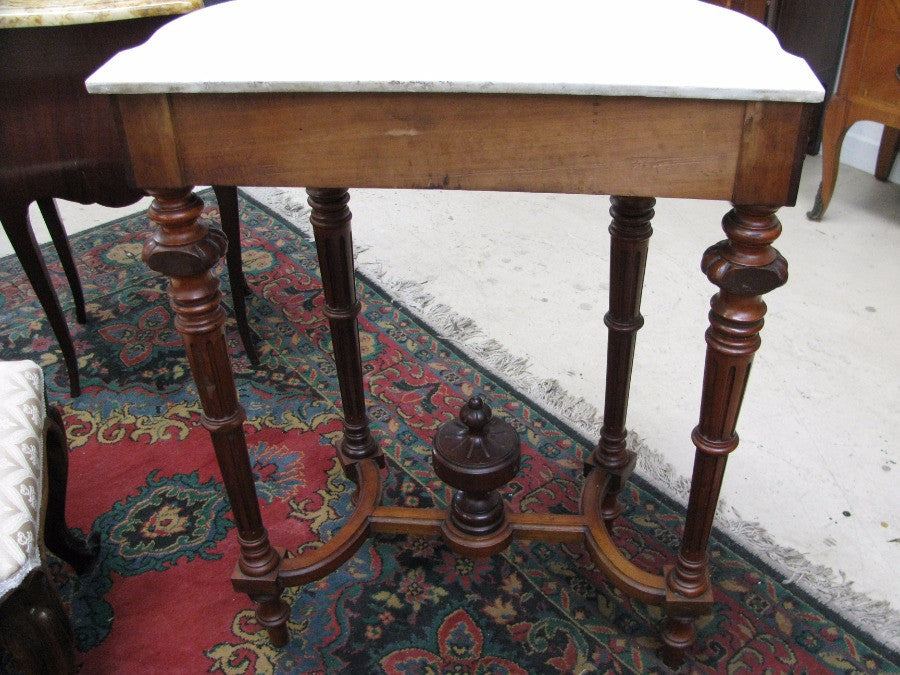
pixel 543 108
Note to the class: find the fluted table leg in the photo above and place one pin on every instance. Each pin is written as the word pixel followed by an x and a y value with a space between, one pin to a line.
pixel 744 267
pixel 185 250
pixel 330 219
pixel 630 232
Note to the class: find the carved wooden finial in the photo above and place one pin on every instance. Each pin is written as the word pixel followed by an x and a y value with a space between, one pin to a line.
pixel 476 454
pixel 475 415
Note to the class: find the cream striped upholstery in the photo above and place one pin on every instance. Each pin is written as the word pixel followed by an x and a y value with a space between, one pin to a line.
pixel 21 470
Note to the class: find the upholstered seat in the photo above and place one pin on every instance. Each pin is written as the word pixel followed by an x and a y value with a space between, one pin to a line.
pixel 34 627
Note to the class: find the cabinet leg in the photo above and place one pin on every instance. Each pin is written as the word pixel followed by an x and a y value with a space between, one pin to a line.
pixel 630 232
pixel 185 251
pixel 887 152
pixel 744 267
pixel 330 219
pixel 834 128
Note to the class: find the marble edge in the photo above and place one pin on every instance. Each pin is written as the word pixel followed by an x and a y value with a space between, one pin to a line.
pixel 67 16
pixel 97 86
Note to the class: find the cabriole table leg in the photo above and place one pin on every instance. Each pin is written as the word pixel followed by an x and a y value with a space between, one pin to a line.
pixel 837 121
pixel 744 267
pixel 185 251
pixel 630 232
pixel 14 218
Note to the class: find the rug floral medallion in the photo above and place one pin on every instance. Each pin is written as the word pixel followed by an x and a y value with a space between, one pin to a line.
pixel 143 475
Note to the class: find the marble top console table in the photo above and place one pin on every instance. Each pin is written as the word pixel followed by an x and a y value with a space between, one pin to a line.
pixel 590 97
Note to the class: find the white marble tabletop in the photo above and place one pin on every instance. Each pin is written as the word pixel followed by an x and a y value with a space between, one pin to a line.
pixel 29 13
pixel 658 48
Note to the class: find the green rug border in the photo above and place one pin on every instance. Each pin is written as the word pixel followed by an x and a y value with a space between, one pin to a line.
pixel 859 633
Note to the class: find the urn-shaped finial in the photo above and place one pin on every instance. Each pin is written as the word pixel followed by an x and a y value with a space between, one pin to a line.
pixel 475 414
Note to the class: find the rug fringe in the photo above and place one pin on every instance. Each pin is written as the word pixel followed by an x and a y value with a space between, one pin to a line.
pixel 876 618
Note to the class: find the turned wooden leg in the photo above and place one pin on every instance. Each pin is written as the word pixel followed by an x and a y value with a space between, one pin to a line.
pixel 227 197
pixel 61 243
pixel 14 217
pixel 185 251
pixel 330 219
pixel 630 232
pixel 744 267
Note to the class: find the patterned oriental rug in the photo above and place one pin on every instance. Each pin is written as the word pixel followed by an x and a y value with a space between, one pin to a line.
pixel 143 475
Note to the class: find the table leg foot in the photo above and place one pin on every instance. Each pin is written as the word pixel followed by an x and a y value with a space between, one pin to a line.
pixel 887 152
pixel 80 553
pixel 678 635
pixel 273 613
pixel 818 209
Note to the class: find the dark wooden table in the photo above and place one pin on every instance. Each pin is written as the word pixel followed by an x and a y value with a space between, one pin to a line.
pixel 604 121
pixel 57 141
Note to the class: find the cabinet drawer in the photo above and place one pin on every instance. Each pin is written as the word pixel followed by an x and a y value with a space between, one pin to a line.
pixel 880 77
pixel 886 15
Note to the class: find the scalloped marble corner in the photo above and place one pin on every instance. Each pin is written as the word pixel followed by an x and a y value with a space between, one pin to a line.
pixel 33 13
pixel 649 48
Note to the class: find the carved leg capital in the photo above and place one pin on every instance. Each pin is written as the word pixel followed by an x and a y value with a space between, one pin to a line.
pixel 746 264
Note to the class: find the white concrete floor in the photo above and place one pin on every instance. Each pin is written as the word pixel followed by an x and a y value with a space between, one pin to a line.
pixel 814 484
